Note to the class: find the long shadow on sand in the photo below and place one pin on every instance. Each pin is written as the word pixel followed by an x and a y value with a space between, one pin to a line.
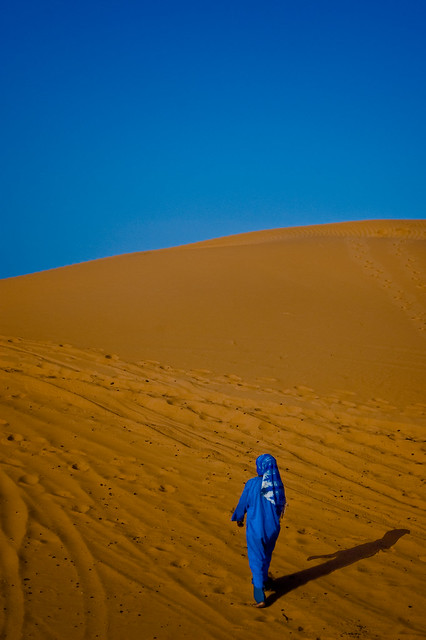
pixel 338 560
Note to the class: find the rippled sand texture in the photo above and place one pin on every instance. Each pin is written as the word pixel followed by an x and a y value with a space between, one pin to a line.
pixel 119 472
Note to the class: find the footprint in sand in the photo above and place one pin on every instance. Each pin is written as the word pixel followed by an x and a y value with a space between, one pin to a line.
pixel 80 466
pixel 164 548
pixel 130 477
pixel 15 437
pixel 217 574
pixel 180 563
pixel 29 478
pixel 167 488
pixel 63 494
pixel 223 590
pixel 221 575
pixel 80 508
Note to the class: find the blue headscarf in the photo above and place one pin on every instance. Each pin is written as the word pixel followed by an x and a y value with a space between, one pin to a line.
pixel 272 487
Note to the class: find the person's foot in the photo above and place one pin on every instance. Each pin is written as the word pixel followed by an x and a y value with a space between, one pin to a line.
pixel 268 583
pixel 259 605
pixel 259 596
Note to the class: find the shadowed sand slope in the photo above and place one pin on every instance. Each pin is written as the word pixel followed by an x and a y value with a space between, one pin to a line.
pixel 333 306
pixel 136 393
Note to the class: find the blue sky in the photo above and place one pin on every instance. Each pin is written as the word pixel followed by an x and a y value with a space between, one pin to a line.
pixel 129 125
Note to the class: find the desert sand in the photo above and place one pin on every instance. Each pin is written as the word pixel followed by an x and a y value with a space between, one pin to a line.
pixel 136 393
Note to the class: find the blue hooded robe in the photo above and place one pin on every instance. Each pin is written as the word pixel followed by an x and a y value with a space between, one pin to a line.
pixel 263 500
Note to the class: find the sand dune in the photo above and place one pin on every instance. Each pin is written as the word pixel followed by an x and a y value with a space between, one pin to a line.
pixel 136 393
pixel 329 307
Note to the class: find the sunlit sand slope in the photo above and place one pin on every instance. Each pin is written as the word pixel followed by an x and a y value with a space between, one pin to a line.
pixel 118 481
pixel 332 307
pixel 136 393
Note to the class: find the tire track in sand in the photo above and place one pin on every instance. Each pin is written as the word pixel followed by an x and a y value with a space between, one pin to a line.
pixel 14 518
pixel 47 513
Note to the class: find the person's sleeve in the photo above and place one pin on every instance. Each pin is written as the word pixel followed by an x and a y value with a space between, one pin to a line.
pixel 242 505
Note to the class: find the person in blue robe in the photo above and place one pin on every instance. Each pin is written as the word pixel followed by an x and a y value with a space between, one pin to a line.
pixel 263 500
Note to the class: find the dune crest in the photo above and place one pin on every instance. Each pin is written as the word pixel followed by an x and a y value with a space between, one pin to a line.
pixel 397 229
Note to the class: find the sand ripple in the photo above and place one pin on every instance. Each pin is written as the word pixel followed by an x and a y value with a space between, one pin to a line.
pixel 118 480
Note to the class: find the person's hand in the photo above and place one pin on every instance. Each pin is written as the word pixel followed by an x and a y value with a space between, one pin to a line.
pixel 240 523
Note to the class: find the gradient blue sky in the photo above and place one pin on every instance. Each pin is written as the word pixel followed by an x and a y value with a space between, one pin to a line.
pixel 130 125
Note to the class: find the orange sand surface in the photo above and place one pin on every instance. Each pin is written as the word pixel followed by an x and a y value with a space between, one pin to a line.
pixel 136 393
